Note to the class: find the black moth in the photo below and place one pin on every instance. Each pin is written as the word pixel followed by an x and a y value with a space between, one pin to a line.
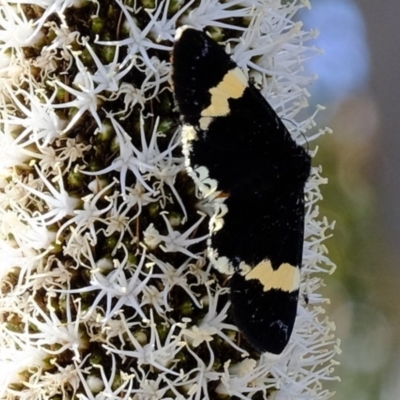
pixel 243 159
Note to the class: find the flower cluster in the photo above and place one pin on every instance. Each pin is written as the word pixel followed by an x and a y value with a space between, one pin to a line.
pixel 106 291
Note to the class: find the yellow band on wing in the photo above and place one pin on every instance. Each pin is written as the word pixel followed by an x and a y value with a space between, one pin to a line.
pixel 232 86
pixel 286 277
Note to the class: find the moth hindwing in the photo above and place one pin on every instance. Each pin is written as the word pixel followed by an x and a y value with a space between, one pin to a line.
pixel 243 159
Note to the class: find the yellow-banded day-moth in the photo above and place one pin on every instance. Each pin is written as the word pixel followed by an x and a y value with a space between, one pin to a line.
pixel 243 159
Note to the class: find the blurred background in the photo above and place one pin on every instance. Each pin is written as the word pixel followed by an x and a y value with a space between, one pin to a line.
pixel 360 86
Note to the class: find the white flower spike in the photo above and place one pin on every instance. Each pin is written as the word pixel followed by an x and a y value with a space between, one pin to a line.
pixel 106 288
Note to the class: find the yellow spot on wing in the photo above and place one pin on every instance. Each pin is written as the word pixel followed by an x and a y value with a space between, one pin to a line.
pixel 286 277
pixel 232 86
